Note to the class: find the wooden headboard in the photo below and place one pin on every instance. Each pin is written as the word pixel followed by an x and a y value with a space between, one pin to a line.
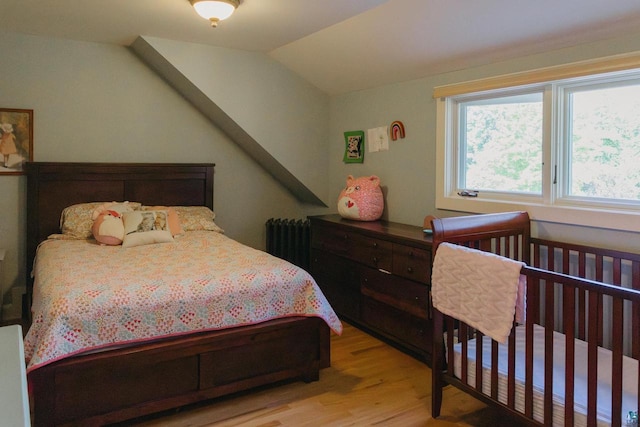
pixel 53 186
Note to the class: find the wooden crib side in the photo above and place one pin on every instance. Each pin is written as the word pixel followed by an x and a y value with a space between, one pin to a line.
pixel 558 300
pixel 602 265
pixel 543 288
pixel 601 299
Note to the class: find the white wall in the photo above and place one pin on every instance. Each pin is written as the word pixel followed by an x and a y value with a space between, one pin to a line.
pixel 407 170
pixel 99 103
pixel 280 111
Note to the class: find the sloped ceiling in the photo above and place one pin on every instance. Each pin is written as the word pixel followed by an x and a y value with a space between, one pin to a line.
pixel 341 46
pixel 268 117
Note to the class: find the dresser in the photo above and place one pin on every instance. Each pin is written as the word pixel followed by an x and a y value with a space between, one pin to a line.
pixel 376 275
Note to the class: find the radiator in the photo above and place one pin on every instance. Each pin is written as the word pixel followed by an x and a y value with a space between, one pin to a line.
pixel 289 239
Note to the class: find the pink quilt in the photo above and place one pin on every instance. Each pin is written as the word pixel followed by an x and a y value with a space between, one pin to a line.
pixel 88 296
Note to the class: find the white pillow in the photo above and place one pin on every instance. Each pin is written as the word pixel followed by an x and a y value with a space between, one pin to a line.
pixel 145 228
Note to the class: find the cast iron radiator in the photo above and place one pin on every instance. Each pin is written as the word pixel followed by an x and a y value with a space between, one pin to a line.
pixel 289 239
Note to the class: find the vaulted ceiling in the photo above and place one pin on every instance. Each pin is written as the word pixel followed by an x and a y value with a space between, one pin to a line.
pixel 341 46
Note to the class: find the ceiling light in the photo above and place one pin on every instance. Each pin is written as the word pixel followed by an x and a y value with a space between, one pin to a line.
pixel 215 10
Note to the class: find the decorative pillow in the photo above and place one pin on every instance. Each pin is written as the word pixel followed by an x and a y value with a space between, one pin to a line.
pixel 145 228
pixel 108 228
pixel 76 220
pixel 361 199
pixel 174 219
pixel 120 207
pixel 193 218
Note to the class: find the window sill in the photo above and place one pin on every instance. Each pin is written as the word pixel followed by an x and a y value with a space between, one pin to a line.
pixel 620 220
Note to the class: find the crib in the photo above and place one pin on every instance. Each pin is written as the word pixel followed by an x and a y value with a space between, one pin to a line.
pixel 573 360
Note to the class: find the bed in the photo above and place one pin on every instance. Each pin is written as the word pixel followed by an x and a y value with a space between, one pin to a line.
pixel 569 356
pixel 263 320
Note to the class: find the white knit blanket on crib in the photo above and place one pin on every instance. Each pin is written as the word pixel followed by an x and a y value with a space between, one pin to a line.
pixel 480 288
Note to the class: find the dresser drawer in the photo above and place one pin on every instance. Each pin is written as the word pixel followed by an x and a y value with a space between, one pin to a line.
pixel 402 294
pixel 372 252
pixel 332 240
pixel 335 268
pixel 412 263
pixel 339 281
pixel 411 330
pixel 369 251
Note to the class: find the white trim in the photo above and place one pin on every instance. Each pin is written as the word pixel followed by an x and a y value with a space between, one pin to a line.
pixel 622 62
pixel 447 199
pixel 571 215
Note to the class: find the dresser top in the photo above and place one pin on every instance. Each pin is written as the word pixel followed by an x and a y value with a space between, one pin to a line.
pixel 403 233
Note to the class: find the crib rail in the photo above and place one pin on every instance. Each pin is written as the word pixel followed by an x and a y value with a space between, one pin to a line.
pixel 587 298
pixel 507 234
pixel 602 265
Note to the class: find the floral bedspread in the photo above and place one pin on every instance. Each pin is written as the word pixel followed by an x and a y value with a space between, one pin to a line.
pixel 88 296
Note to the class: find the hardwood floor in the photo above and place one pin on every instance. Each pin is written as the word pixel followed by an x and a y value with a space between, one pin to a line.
pixel 369 384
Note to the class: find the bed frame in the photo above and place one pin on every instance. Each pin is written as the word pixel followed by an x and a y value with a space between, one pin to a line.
pixel 120 384
pixel 598 311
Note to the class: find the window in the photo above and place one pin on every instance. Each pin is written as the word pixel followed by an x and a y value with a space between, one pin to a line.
pixel 603 141
pixel 500 142
pixel 565 149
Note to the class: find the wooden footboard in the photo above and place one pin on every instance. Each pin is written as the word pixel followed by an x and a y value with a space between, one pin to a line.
pixel 581 334
pixel 117 385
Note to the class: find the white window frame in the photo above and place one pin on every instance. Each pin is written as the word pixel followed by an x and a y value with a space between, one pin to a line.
pixel 553 205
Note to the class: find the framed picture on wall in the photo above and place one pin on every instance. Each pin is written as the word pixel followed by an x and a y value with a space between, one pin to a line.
pixel 354 146
pixel 16 140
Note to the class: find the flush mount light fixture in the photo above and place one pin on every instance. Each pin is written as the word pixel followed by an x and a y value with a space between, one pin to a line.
pixel 215 10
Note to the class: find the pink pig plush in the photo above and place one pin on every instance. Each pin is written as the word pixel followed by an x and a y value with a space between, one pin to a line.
pixel 362 199
pixel 108 228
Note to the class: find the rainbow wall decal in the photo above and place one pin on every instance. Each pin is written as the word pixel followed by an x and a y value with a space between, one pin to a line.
pixel 396 130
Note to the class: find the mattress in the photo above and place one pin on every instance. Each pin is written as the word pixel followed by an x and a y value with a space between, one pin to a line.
pixel 89 297
pixel 630 376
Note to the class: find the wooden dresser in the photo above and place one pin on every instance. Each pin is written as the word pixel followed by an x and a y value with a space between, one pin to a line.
pixel 377 276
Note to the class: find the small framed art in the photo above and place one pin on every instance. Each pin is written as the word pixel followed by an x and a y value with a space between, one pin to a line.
pixel 16 140
pixel 354 146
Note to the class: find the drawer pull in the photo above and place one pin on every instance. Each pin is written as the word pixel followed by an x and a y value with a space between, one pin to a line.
pixel 375 244
pixel 411 254
pixel 375 260
pixel 409 270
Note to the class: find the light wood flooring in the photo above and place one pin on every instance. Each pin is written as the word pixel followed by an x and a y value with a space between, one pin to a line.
pixel 369 384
